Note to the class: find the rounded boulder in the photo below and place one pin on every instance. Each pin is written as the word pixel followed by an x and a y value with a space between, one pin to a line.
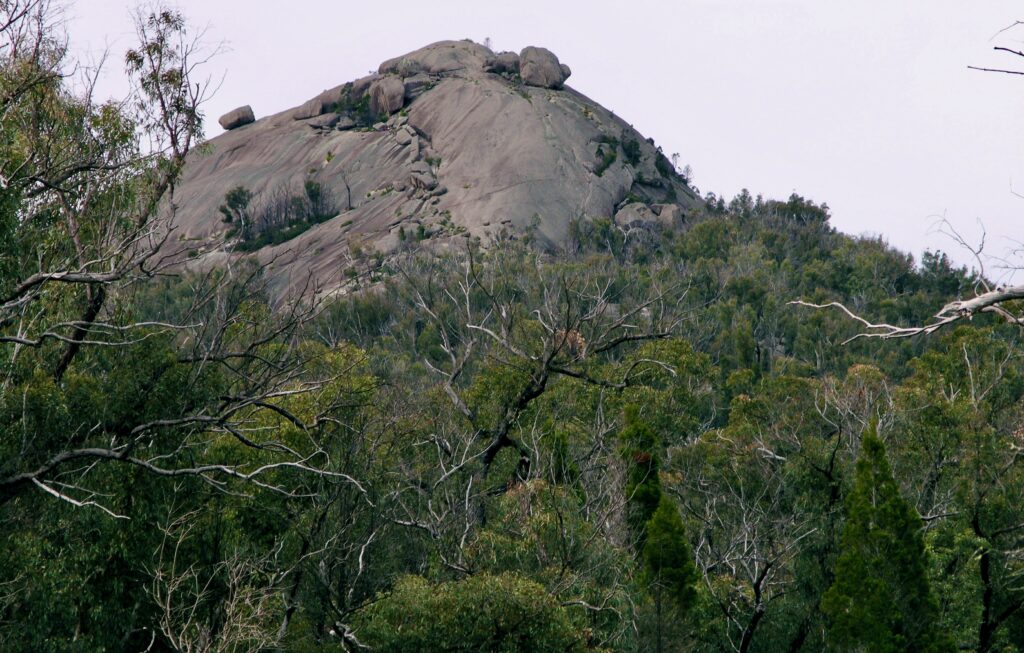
pixel 387 95
pixel 540 67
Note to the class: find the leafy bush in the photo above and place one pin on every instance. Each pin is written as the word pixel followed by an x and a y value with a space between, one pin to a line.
pixel 501 614
pixel 664 166
pixel 357 108
pixel 608 155
pixel 236 204
pixel 631 149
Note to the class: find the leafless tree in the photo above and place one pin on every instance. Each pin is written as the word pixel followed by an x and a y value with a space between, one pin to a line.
pixel 529 328
pixel 749 533
pixel 998 48
pixel 181 591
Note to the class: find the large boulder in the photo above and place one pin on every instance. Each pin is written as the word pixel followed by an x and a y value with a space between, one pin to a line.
pixel 329 98
pixel 310 109
pixel 416 85
pixel 670 215
pixel 421 175
pixel 237 117
pixel 361 86
pixel 405 135
pixel 325 121
pixel 635 214
pixel 505 62
pixel 441 58
pixel 387 95
pixel 540 67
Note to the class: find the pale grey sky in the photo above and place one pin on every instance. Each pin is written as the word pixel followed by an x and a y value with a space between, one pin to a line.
pixel 868 106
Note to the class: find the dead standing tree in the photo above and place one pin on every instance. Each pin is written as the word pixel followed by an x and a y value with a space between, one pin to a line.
pixel 516 324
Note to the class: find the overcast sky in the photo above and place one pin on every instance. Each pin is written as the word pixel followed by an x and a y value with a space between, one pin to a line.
pixel 868 106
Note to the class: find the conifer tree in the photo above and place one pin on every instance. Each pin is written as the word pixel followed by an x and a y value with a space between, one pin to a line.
pixel 668 558
pixel 668 563
pixel 880 600
pixel 643 487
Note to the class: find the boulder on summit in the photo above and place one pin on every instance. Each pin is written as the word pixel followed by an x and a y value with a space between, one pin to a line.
pixel 443 57
pixel 540 67
pixel 237 117
pixel 504 62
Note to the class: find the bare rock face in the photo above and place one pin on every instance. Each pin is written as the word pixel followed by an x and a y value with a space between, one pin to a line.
pixel 472 153
pixel 324 121
pixel 237 117
pixel 421 176
pixel 540 67
pixel 404 136
pixel 387 95
pixel 668 215
pixel 362 85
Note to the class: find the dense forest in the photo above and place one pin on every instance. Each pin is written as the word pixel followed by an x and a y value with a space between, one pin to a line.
pixel 633 441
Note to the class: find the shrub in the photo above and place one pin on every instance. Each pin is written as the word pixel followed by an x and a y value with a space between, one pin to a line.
pixel 631 149
pixel 608 155
pixel 236 205
pixel 503 614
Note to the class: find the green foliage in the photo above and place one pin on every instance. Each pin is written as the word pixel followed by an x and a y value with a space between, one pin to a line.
pixel 357 108
pixel 881 599
pixel 668 558
pixel 526 494
pixel 607 151
pixel 640 447
pixel 166 83
pixel 503 614
pixel 278 215
pixel 631 150
pixel 664 166
pixel 235 205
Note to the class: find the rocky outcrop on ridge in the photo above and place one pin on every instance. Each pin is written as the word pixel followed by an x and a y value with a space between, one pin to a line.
pixel 446 143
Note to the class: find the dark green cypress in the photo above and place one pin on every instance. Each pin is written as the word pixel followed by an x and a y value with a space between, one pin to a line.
pixel 668 558
pixel 643 487
pixel 881 601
